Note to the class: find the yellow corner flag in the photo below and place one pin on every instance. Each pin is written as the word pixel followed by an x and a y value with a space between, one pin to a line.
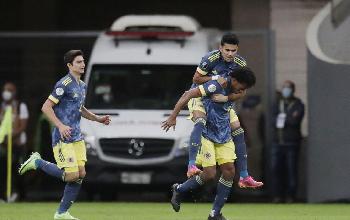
pixel 6 129
pixel 6 124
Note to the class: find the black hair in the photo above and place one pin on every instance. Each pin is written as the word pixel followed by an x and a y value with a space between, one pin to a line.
pixel 71 55
pixel 229 38
pixel 244 75
pixel 291 84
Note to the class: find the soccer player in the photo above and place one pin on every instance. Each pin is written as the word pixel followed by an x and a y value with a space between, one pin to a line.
pixel 217 145
pixel 64 108
pixel 215 64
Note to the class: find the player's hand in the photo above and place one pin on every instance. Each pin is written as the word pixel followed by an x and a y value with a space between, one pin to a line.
pixel 105 119
pixel 65 131
pixel 238 95
pixel 219 98
pixel 170 122
pixel 222 81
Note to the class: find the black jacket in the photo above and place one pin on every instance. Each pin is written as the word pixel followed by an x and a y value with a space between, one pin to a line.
pixel 294 110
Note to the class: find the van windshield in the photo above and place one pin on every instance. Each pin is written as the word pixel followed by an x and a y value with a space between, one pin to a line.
pixel 137 86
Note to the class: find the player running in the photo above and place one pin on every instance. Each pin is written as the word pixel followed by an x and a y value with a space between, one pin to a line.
pixel 215 64
pixel 217 145
pixel 64 108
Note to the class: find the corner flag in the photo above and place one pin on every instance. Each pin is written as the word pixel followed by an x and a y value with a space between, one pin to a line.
pixel 6 129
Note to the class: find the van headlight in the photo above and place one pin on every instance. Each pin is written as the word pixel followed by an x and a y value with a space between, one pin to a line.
pixel 182 148
pixel 90 143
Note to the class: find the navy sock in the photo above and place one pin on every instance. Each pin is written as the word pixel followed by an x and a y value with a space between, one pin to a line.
pixel 241 151
pixel 222 192
pixel 70 194
pixel 50 168
pixel 195 140
pixel 190 184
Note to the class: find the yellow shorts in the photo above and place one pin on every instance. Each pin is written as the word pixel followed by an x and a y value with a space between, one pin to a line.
pixel 211 153
pixel 70 155
pixel 196 104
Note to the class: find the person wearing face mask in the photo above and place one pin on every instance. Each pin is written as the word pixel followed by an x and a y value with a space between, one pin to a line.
pixel 20 119
pixel 289 112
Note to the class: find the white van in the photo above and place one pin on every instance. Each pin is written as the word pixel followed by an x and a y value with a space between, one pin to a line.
pixel 137 71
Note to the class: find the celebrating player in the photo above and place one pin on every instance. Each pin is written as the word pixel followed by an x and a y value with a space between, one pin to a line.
pixel 215 64
pixel 64 108
pixel 217 145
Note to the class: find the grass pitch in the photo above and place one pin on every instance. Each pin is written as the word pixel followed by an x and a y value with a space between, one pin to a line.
pixel 189 211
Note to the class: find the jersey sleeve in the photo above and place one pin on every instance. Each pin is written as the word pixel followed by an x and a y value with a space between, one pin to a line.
pixel 240 61
pixel 210 87
pixel 58 92
pixel 207 63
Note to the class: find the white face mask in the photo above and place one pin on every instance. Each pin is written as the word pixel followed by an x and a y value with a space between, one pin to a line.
pixel 287 92
pixel 7 95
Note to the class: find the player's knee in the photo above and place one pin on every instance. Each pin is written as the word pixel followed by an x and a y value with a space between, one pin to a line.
pixel 197 115
pixel 71 177
pixel 209 175
pixel 200 120
pixel 235 125
pixel 82 174
pixel 228 172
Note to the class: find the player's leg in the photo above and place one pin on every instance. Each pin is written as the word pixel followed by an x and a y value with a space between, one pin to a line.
pixel 209 172
pixel 35 162
pixel 291 165
pixel 198 116
pixel 245 180
pixel 72 188
pixel 225 156
pixel 66 159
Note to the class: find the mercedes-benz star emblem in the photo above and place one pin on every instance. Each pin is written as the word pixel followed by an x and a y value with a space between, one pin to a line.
pixel 136 147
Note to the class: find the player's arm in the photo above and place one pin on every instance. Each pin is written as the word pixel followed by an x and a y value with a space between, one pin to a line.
pixel 207 89
pixel 47 109
pixel 105 119
pixel 171 121
pixel 231 97
pixel 201 74
pixel 198 78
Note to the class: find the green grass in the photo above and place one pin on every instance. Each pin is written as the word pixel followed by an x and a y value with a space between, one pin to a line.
pixel 163 211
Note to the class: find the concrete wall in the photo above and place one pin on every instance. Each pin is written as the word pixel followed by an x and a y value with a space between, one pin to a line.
pixel 335 41
pixel 289 19
pixel 329 121
pixel 329 126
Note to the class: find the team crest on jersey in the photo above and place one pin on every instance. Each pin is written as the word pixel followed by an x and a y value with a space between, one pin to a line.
pixel 207 155
pixel 211 88
pixel 59 91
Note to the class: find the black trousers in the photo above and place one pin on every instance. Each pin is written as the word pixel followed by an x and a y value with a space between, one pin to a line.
pixel 284 164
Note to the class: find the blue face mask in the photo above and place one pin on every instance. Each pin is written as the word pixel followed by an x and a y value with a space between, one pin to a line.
pixel 286 92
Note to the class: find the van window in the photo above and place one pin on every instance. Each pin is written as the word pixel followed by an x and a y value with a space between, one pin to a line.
pixel 137 86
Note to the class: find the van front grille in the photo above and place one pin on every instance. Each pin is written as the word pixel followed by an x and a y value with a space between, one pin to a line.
pixel 136 148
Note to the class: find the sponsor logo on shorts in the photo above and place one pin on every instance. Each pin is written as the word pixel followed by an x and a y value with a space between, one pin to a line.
pixel 207 155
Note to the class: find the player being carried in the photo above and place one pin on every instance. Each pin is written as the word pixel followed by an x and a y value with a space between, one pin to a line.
pixel 217 145
pixel 216 64
pixel 64 108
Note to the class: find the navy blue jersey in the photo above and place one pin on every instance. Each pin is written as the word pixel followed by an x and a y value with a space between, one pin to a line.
pixel 218 127
pixel 214 64
pixel 69 96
